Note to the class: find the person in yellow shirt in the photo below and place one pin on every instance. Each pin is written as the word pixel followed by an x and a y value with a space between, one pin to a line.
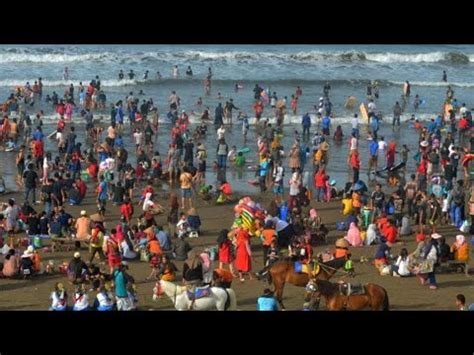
pixel 346 205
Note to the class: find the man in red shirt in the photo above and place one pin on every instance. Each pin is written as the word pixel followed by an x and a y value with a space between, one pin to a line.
pixel 355 165
pixel 320 184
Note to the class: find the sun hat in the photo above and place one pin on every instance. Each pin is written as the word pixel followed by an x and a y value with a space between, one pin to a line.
pixel 77 255
pixel 83 213
pixel 436 236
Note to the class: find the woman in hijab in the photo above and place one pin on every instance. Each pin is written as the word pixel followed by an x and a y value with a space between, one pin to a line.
pixel 243 261
pixel 460 249
pixel 353 236
pixel 192 269
pixel 391 154
pixel 294 158
pixel 58 298
pixel 371 236
pixel 207 267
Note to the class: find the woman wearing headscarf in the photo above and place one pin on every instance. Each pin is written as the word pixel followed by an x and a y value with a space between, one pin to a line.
pixel 429 255
pixel 207 267
pixel 192 269
pixel 295 183
pixel 371 236
pixel 243 261
pixel 353 236
pixel 226 256
pixel 294 157
pixel 460 249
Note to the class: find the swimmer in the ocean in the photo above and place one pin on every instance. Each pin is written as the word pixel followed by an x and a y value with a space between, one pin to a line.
pixel 141 92
pixel 158 75
pixel 189 71
pixel 175 71
pixel 131 74
pixel 145 76
pixel 121 75
pixel 66 73
pixel 199 102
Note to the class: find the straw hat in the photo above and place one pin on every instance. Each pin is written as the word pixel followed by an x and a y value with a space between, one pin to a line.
pixel 77 255
pixel 324 146
pixel 83 213
pixel 342 243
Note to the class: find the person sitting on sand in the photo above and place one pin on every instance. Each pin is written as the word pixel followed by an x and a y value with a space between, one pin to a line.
pixel 460 249
pixel 104 300
pixel 194 221
pixel 225 192
pixel 77 269
pixel 58 298
pixel 81 299
pixel 166 269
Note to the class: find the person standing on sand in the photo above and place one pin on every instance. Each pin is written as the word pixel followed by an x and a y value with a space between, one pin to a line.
pixel 243 262
pixel 186 189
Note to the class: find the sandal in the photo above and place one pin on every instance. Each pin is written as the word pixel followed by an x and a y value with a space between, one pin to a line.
pixel 242 280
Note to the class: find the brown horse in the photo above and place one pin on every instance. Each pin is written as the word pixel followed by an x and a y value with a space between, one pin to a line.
pixel 284 271
pixel 375 297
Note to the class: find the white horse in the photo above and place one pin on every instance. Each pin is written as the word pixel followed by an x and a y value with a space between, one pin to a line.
pixel 220 299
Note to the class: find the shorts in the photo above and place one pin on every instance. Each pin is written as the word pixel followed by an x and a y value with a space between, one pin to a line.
pixel 277 189
pixel 171 168
pixel 186 193
pixel 129 184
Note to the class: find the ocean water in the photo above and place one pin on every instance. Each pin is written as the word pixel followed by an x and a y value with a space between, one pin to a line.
pixel 280 68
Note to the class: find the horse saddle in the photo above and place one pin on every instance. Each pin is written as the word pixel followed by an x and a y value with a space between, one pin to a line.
pixel 348 289
pixel 198 292
pixel 306 268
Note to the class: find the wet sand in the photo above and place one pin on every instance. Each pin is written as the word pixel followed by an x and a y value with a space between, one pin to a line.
pixel 404 294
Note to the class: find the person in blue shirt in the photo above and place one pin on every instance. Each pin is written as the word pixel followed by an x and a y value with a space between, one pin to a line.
pixel 373 150
pixel 326 123
pixel 439 121
pixel 121 281
pixel 102 193
pixel 374 125
pixel 267 302
pixel 38 134
pixel 431 126
pixel 306 122
pixel 118 142
pixel 262 174
pixel 163 238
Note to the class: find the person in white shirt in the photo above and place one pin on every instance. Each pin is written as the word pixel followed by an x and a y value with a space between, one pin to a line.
pixel 104 300
pixel 81 300
pixel 371 107
pixel 355 125
pixel 400 268
pixel 138 136
pixel 382 147
pixel 220 133
pixel 463 109
pixel 59 298
pixel 175 71
pixel 353 142
pixel 232 154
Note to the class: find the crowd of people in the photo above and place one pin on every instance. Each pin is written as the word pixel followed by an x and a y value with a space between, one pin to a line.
pixel 433 195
